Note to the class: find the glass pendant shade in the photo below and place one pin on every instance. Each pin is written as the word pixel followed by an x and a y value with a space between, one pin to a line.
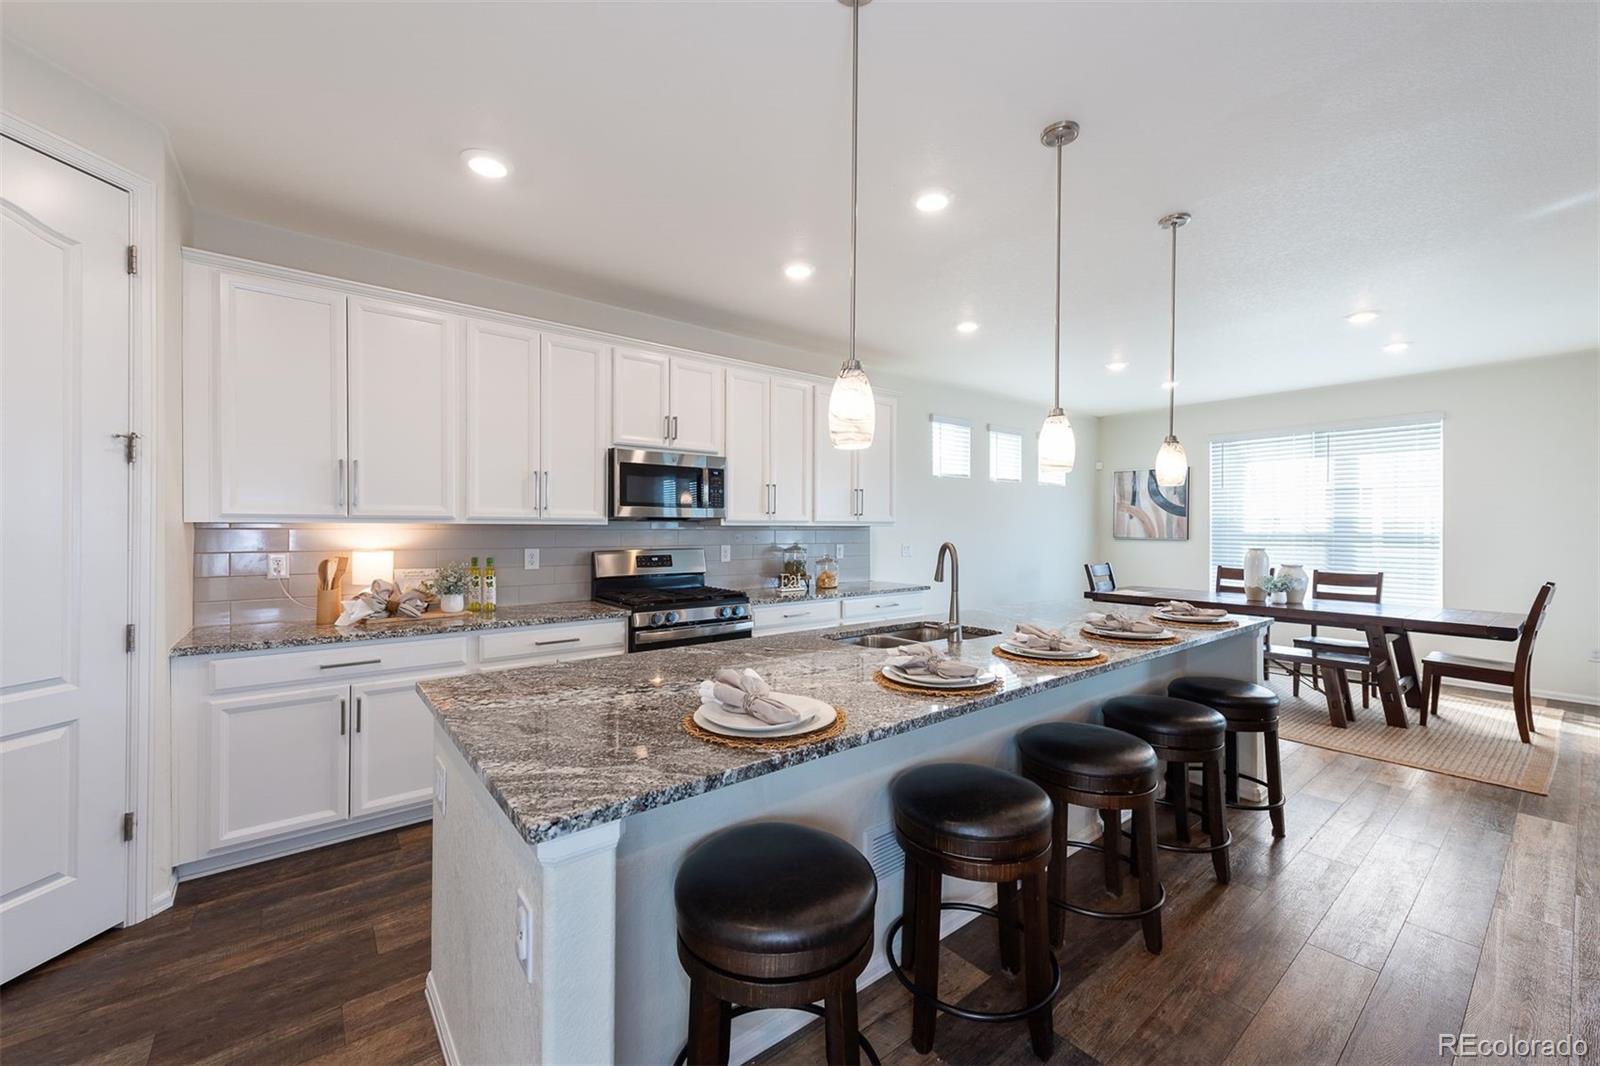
pixel 1172 464
pixel 1058 445
pixel 852 412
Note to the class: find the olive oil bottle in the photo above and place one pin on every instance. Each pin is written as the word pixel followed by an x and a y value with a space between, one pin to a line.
pixel 474 586
pixel 488 598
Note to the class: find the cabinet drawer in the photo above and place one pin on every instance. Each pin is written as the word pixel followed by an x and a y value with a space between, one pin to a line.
pixel 889 605
pixel 552 642
pixel 777 617
pixel 340 663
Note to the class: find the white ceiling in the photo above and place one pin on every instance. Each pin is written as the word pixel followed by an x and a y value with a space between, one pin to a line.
pixel 1436 161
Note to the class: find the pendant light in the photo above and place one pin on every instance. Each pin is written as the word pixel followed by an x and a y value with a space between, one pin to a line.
pixel 852 414
pixel 1058 446
pixel 1172 462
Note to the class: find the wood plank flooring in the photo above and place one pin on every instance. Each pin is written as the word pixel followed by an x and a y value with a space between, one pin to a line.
pixel 1402 904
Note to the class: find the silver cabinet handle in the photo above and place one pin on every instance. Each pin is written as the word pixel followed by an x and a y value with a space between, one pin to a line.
pixel 666 427
pixel 358 714
pixel 341 482
pixel 674 427
pixel 563 640
pixel 546 506
pixel 355 483
pixel 341 717
pixel 774 498
pixel 883 606
pixel 356 662
pixel 796 614
pixel 536 504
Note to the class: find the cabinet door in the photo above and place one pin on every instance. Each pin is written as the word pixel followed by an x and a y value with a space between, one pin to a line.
pixel 875 468
pixel 503 427
pixel 789 448
pixel 279 764
pixel 748 497
pixel 403 410
pixel 833 472
pixel 577 426
pixel 639 383
pixel 280 399
pixel 696 406
pixel 391 747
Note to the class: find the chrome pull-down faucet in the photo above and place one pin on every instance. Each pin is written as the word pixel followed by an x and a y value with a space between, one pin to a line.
pixel 952 627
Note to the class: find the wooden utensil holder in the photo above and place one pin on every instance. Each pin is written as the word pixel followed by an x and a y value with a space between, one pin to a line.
pixel 328 606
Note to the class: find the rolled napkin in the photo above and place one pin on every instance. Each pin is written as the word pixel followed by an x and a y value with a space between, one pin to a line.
pixel 1118 623
pixel 921 659
pixel 1180 609
pixel 414 603
pixel 744 692
pixel 1040 639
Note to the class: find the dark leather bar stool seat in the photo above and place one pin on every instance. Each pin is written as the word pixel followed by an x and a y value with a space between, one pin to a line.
pixel 1182 732
pixel 980 824
pixel 774 914
pixel 1110 771
pixel 1248 708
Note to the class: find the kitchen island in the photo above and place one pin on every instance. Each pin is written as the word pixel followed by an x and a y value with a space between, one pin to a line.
pixel 567 796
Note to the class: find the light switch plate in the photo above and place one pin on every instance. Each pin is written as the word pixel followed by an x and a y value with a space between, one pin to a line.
pixel 838 551
pixel 524 935
pixel 278 565
pixel 530 558
pixel 727 553
pixel 441 778
pixel 905 551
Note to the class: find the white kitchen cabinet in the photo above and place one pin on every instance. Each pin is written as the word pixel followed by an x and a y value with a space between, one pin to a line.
pixel 773 618
pixel 575 425
pixel 769 453
pixel 747 496
pixel 403 410
pixel 391 747
pixel 855 487
pixel 278 764
pixel 666 401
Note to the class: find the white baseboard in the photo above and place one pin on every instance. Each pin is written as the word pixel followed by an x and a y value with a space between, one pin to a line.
pixel 166 897
pixel 279 848
pixel 441 1027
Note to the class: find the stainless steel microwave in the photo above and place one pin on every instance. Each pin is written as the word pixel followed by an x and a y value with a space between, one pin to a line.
pixel 666 485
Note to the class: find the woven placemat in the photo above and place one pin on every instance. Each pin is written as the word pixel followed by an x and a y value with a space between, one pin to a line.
pixel 916 690
pixel 692 727
pixel 1121 640
pixel 1099 658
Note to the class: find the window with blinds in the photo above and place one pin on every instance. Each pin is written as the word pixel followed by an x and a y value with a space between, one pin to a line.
pixel 1361 499
pixel 952 447
pixel 1005 455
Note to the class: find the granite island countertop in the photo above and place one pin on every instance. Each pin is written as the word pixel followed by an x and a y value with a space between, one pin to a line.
pixel 264 636
pixel 568 746
pixel 847 590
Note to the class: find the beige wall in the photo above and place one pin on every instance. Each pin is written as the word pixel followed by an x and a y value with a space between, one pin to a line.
pixel 1521 491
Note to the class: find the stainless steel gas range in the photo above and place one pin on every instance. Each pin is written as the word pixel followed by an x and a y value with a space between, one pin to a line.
pixel 666 591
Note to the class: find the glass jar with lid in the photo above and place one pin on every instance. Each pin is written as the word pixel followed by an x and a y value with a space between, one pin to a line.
pixel 827 573
pixel 794 577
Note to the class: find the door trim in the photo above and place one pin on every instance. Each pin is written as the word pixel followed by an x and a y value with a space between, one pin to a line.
pixel 148 889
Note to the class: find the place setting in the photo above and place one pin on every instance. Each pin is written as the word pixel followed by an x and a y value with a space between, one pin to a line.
pixel 1183 613
pixel 739 709
pixel 918 669
pixel 1121 629
pixel 1039 646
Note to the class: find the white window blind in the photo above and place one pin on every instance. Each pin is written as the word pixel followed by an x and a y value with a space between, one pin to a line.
pixel 952 447
pixel 1362 499
pixel 1005 455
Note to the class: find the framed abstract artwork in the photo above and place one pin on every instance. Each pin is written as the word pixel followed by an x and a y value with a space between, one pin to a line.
pixel 1143 510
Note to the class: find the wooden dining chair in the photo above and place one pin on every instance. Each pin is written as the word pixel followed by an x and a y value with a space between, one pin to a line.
pixel 1230 579
pixel 1515 675
pixel 1350 587
pixel 1101 579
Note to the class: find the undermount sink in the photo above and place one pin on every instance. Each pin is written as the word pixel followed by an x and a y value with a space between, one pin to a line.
pixel 920 633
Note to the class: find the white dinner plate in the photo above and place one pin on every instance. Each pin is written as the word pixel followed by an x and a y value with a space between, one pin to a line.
pixel 717 719
pixel 1120 634
pixel 1040 653
pixel 1191 620
pixel 899 676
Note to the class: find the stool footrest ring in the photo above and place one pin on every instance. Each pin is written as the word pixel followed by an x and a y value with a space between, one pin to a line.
pixel 809 1008
pixel 1195 849
pixel 1090 912
pixel 963 1012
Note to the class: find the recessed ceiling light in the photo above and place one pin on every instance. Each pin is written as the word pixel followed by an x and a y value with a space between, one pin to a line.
pixel 1360 318
pixel 968 326
pixel 485 164
pixel 798 271
pixel 1117 364
pixel 1395 347
pixel 933 201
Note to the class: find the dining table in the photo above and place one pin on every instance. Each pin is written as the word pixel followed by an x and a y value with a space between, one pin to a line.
pixel 1386 627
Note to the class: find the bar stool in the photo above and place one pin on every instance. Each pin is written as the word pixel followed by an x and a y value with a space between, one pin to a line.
pixel 1249 708
pixel 1109 771
pixel 774 914
pixel 980 824
pixel 1182 732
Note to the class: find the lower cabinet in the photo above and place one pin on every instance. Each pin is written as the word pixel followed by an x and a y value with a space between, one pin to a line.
pixel 391 747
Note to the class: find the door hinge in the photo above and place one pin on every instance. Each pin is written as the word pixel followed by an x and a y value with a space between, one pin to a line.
pixel 127 826
pixel 133 259
pixel 130 445
pixel 127 637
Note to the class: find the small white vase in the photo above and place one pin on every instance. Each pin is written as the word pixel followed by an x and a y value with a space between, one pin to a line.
pixel 1256 568
pixel 1297 574
pixel 451 602
pixel 1280 598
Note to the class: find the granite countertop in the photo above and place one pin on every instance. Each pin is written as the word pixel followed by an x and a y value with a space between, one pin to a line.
pixel 847 590
pixel 263 636
pixel 569 746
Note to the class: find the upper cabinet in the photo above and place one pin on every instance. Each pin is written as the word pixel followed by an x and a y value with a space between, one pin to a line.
pixel 854 487
pixel 575 376
pixel 666 401
pixel 769 454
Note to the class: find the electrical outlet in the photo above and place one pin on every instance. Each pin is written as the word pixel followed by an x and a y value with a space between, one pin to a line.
pixel 530 558
pixel 524 935
pixel 277 565
pixel 441 778
pixel 1594 656
pixel 727 553
pixel 838 551
pixel 905 551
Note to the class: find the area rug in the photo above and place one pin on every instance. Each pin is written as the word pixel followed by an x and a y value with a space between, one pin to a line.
pixel 1475 736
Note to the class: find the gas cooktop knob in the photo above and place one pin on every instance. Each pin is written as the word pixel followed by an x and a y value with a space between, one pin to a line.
pixel 738 611
pixel 672 616
pixel 724 612
pixel 655 619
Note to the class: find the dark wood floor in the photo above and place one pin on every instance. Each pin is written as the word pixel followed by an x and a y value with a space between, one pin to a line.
pixel 1402 904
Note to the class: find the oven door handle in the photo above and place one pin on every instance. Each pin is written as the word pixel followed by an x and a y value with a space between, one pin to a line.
pixel 659 636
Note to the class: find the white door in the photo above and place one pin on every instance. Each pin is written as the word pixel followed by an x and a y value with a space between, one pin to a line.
pixel 64 674
pixel 833 472
pixel 748 497
pixel 279 764
pixel 391 752
pixel 789 449
pixel 503 403
pixel 639 383
pixel 696 406
pixel 576 425
pixel 875 468
pixel 280 392
pixel 403 406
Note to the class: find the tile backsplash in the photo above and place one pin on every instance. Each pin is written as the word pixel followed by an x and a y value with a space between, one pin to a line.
pixel 230 560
